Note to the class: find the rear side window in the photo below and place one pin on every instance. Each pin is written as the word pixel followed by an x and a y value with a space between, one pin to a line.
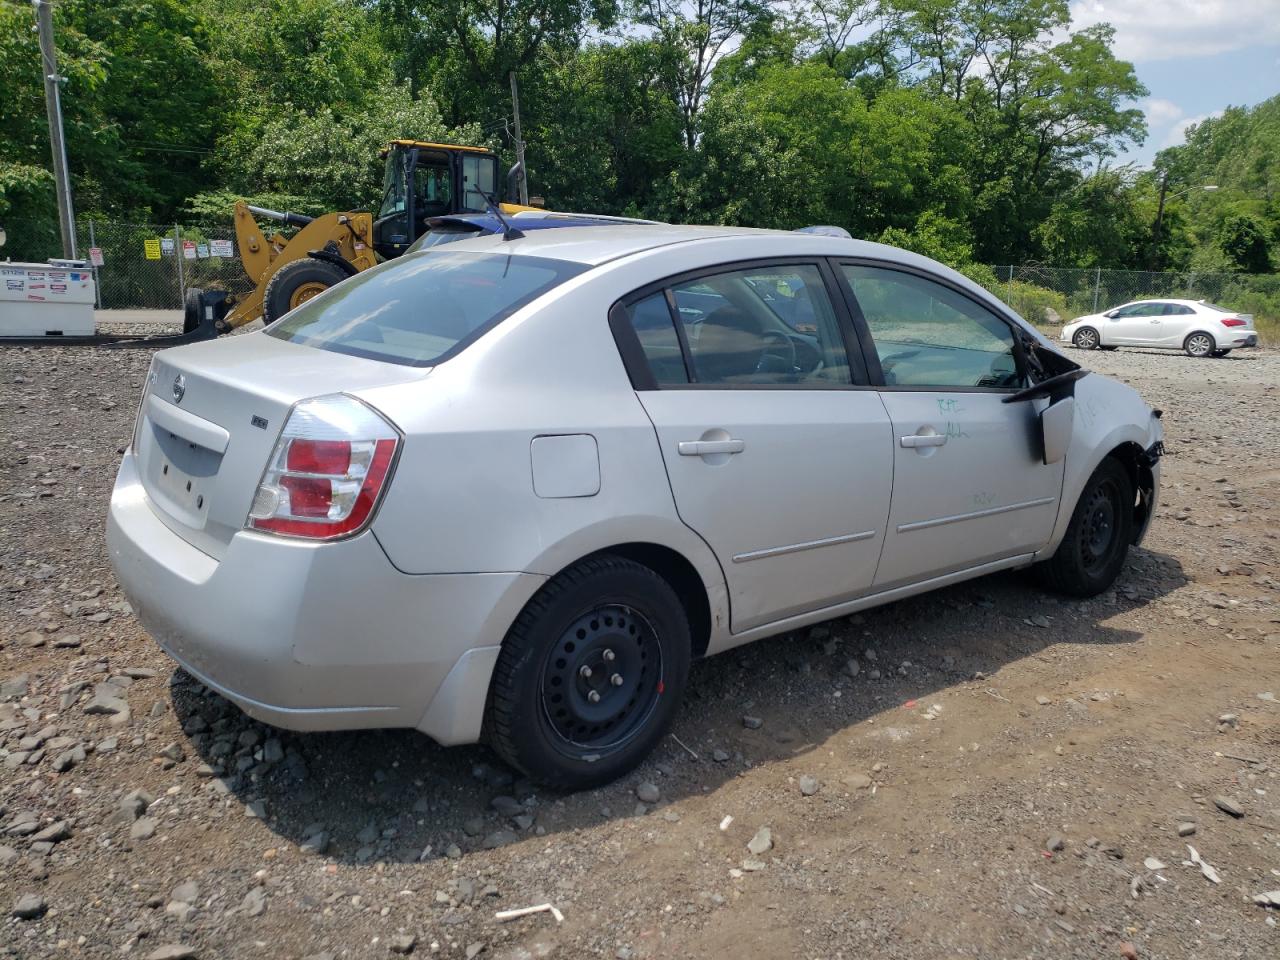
pixel 763 326
pixel 651 320
pixel 424 307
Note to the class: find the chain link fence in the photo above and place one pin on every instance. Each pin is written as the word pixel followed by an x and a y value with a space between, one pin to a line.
pixel 151 266
pixel 1053 295
pixel 140 266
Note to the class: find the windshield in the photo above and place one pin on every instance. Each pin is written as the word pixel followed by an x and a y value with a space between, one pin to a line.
pixel 421 308
pixel 393 180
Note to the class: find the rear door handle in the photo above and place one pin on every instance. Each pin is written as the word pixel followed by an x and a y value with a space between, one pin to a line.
pixel 701 448
pixel 924 440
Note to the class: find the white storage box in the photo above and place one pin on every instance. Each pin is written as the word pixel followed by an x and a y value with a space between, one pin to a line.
pixel 46 299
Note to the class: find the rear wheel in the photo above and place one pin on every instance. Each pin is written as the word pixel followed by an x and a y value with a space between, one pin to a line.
pixel 1198 345
pixel 590 674
pixel 1086 338
pixel 1097 540
pixel 295 283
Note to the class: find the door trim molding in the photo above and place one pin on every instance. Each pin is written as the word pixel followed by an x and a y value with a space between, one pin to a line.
pixel 989 512
pixel 805 545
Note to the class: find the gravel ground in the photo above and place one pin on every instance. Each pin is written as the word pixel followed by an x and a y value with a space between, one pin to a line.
pixel 983 772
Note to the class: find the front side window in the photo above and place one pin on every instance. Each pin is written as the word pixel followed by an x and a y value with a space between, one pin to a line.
pixel 928 335
pixel 759 326
pixel 419 308
pixel 393 198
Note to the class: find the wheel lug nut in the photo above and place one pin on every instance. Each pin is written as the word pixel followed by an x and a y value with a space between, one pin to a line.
pixel 585 672
pixel 609 655
pixel 616 679
pixel 593 696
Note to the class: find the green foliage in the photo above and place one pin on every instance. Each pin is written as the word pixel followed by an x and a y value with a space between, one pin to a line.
pixel 969 130
pixel 1037 304
pixel 1244 240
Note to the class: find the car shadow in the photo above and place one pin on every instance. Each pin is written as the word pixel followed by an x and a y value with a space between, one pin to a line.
pixel 396 796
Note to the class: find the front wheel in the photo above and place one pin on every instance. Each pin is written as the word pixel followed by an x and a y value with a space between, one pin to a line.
pixel 1198 345
pixel 1086 338
pixel 590 674
pixel 295 283
pixel 1097 540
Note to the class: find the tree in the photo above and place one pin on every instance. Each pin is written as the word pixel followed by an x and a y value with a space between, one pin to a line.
pixel 1244 241
pixel 698 32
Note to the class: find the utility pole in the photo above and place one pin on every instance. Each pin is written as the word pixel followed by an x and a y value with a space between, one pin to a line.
pixel 53 104
pixel 1156 258
pixel 515 106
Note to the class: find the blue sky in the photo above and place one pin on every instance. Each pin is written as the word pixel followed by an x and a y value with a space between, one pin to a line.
pixel 1195 56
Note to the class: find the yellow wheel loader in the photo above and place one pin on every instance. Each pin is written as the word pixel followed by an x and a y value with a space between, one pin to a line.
pixel 420 180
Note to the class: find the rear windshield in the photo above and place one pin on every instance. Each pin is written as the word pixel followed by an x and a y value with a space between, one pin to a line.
pixel 424 307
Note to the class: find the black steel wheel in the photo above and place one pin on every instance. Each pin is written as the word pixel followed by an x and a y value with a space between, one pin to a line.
pixel 590 674
pixel 601 680
pixel 1094 548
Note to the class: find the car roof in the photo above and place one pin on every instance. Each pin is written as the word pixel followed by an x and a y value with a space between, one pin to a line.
pixel 1189 303
pixel 530 220
pixel 595 245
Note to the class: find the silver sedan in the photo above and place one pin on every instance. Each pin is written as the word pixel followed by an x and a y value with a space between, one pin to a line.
pixel 512 488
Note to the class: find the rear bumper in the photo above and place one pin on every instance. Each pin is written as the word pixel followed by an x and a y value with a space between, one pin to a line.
pixel 316 636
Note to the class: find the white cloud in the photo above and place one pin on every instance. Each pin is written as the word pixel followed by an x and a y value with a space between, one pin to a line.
pixel 1164 29
pixel 1178 132
pixel 1161 112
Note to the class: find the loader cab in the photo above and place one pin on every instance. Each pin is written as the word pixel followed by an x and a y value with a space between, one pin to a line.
pixel 423 180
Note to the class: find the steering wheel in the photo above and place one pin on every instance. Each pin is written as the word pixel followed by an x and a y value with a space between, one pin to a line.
pixel 767 354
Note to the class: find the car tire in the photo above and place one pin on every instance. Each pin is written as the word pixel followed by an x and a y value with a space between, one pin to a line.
pixel 1097 539
pixel 295 283
pixel 626 626
pixel 1220 353
pixel 1199 345
pixel 1086 338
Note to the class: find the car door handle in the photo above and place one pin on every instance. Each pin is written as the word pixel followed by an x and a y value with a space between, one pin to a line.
pixel 924 440
pixel 702 448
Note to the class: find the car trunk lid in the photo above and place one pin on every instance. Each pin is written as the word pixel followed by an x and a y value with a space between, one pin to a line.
pixel 211 416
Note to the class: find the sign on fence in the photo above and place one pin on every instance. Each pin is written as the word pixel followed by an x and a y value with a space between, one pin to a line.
pixel 95 256
pixel 188 249
pixel 166 246
pixel 151 247
pixel 222 248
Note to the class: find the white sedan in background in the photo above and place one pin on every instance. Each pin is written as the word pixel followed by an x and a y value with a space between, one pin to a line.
pixel 1200 328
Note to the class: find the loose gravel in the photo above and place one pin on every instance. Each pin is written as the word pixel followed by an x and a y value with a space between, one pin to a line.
pixel 987 771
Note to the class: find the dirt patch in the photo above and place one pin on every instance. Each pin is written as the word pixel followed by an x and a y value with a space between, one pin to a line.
pixel 992 778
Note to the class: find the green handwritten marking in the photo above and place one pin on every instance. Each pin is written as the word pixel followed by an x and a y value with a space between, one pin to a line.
pixel 948 405
pixel 954 432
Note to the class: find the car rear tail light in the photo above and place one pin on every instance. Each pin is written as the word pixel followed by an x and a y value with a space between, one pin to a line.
pixel 1232 322
pixel 327 472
